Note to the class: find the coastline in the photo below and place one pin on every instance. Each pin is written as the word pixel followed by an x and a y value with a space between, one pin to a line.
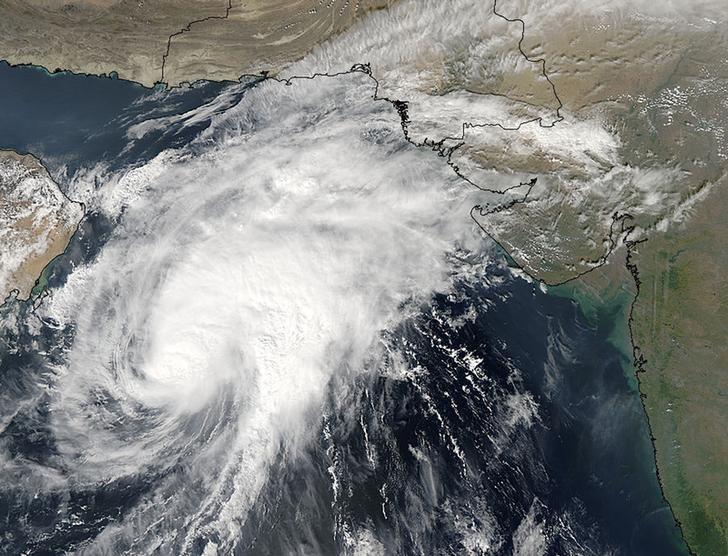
pixel 596 310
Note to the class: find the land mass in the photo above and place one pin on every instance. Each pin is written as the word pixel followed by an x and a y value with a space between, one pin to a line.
pixel 170 41
pixel 661 80
pixel 36 222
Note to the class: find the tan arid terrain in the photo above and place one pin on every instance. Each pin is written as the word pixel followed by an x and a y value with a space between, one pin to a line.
pixel 36 222
pixel 170 40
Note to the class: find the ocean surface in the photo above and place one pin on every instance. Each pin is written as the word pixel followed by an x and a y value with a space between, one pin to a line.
pixel 71 121
pixel 496 420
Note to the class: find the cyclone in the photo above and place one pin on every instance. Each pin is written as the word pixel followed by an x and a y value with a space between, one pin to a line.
pixel 242 277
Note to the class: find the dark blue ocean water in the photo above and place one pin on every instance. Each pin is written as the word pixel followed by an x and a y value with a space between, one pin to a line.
pixel 425 459
pixel 70 120
pixel 584 469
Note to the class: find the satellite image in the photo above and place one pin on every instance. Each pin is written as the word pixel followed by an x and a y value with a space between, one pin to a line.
pixel 364 277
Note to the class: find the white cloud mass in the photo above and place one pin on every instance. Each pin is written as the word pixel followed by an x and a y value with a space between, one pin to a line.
pixel 240 279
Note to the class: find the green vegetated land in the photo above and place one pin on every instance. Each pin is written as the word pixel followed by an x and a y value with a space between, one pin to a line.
pixel 682 330
pixel 681 315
